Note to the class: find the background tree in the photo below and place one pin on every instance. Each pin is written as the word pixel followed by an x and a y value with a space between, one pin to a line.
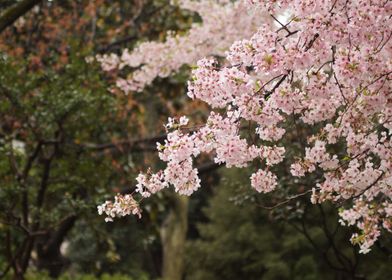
pixel 240 238
pixel 76 140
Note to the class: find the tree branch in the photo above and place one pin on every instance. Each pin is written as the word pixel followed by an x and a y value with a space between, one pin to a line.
pixel 291 198
pixel 15 12
pixel 125 144
pixel 57 237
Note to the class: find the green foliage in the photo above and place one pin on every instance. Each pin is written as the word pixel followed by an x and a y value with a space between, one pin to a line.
pixel 46 175
pixel 241 242
pixel 50 119
pixel 49 107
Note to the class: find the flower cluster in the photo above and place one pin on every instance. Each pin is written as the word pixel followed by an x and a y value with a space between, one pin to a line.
pixel 148 184
pixel 263 181
pixel 123 205
pixel 327 67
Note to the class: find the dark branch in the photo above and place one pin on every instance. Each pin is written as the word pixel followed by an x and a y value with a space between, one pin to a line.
pixel 117 43
pixel 269 92
pixel 125 144
pixel 57 237
pixel 15 12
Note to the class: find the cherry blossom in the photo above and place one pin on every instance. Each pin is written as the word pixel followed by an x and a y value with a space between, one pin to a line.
pixel 263 181
pixel 123 205
pixel 328 67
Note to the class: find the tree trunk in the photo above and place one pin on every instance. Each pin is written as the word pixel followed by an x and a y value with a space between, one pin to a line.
pixel 173 236
pixel 48 249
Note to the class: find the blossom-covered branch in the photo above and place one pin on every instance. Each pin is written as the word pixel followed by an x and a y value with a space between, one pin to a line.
pixel 223 22
pixel 330 68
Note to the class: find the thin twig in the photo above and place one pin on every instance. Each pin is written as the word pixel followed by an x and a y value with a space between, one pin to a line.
pixel 285 201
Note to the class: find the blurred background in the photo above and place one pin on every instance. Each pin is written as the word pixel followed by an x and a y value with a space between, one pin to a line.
pixel 68 143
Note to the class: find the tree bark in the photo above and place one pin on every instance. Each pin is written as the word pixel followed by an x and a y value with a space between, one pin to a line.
pixel 173 237
pixel 15 11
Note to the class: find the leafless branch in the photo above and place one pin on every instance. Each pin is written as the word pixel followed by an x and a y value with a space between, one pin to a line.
pixel 16 11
